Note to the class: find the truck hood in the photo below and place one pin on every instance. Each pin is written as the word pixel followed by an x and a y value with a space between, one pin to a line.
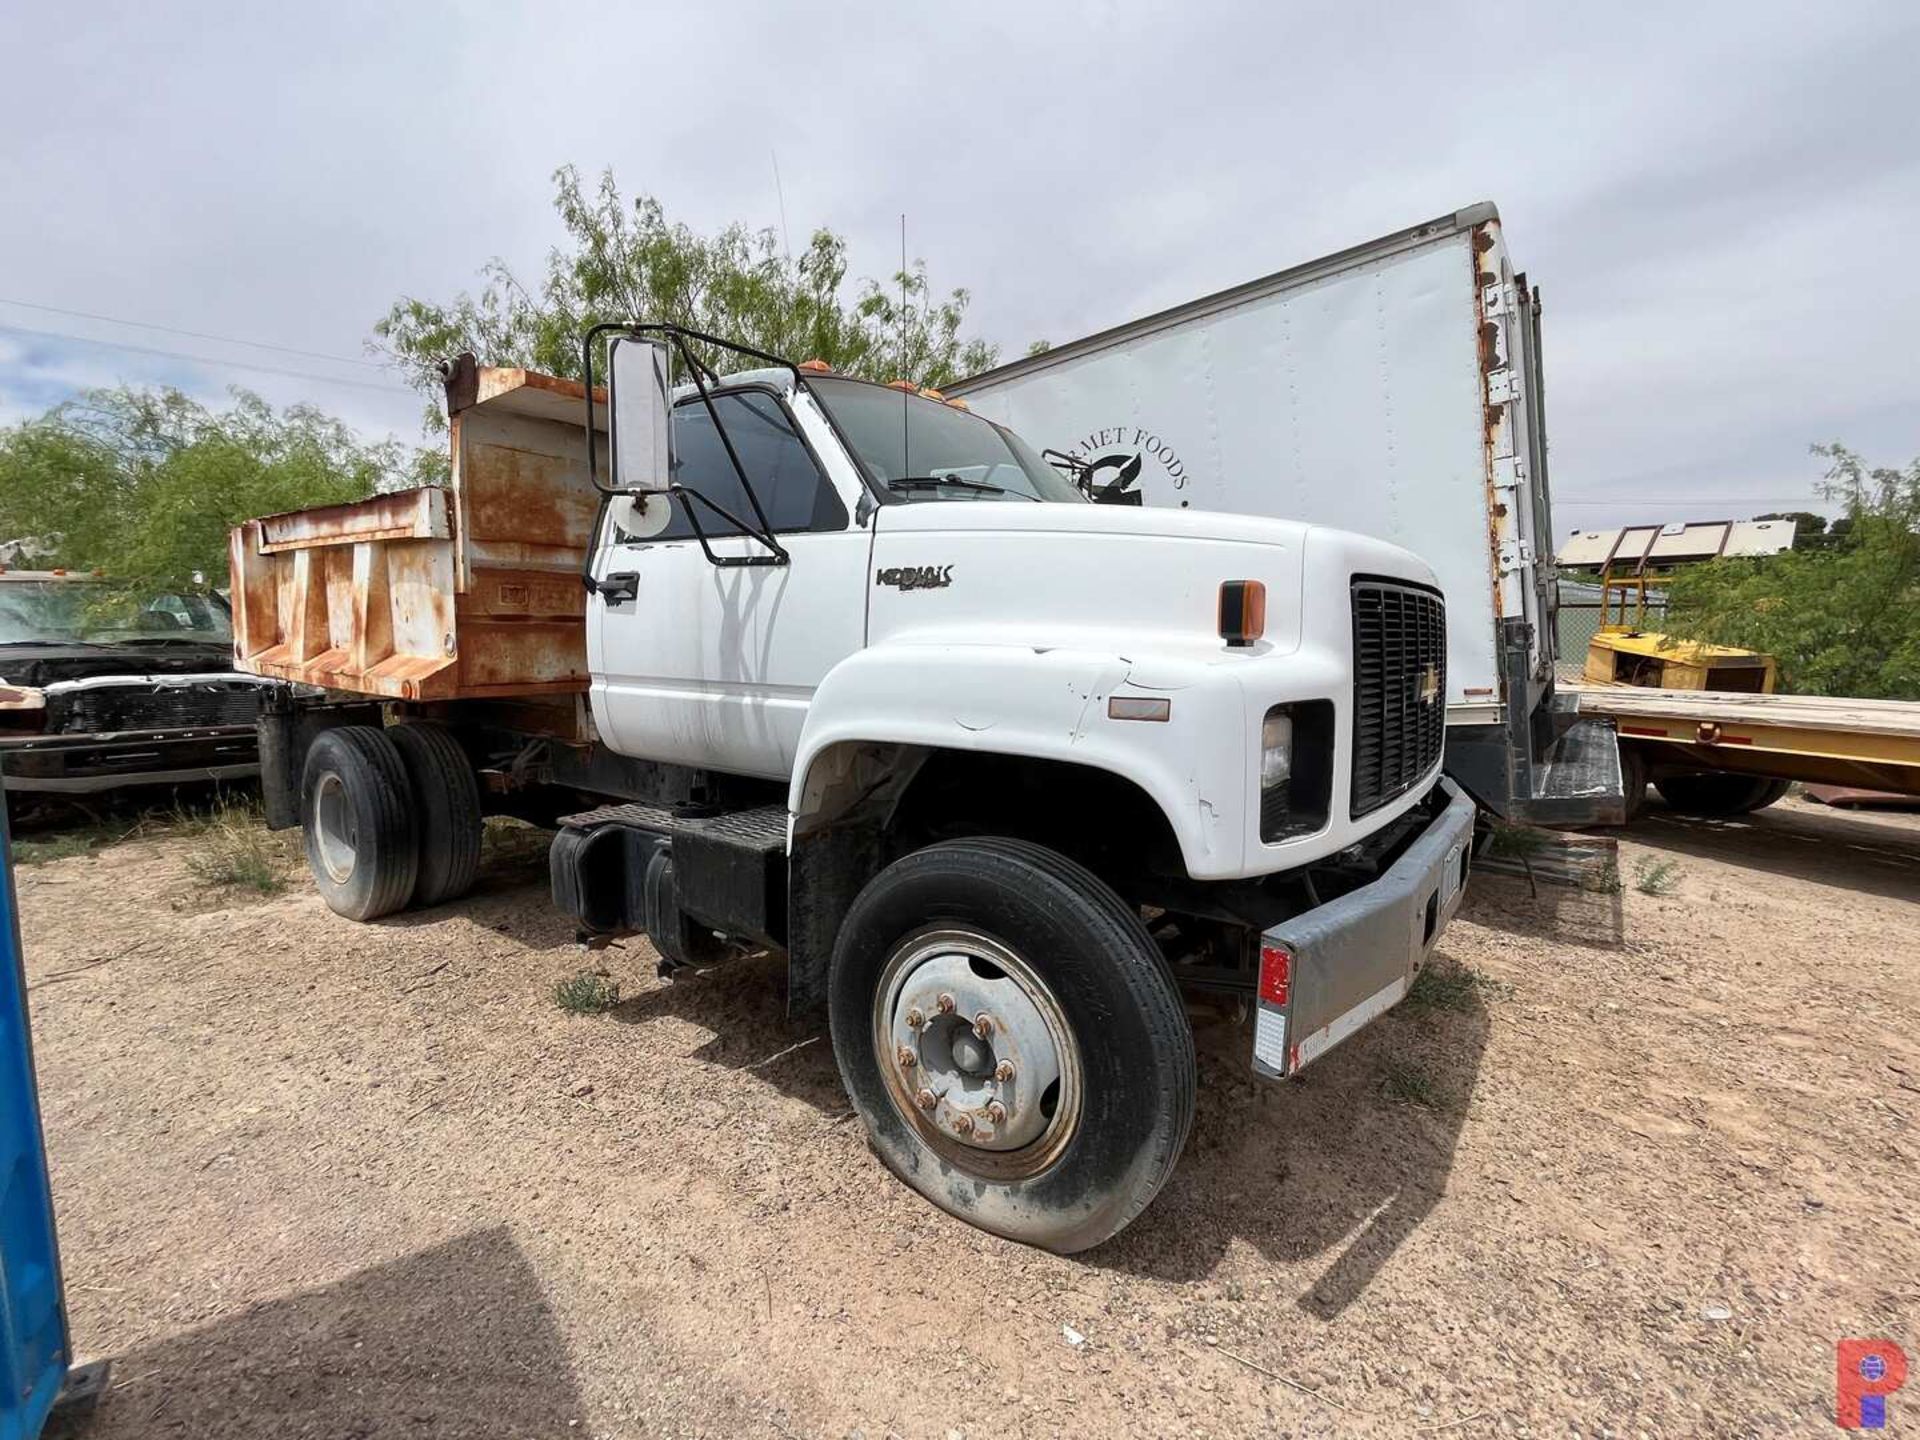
pixel 1074 576
pixel 1010 517
pixel 1057 575
pixel 36 664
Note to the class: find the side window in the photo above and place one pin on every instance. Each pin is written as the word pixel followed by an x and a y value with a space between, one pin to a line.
pixel 792 491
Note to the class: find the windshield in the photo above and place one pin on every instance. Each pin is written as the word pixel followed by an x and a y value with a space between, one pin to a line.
pixel 68 612
pixel 934 451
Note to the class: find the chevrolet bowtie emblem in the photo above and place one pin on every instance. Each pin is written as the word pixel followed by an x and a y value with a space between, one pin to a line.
pixel 1429 685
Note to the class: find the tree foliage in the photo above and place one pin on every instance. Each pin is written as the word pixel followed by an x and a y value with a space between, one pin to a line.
pixel 628 262
pixel 1811 531
pixel 146 484
pixel 1843 617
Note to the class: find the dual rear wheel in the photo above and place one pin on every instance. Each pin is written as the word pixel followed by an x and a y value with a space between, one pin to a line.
pixel 391 818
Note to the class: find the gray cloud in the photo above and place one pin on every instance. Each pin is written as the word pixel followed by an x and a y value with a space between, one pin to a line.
pixel 1718 201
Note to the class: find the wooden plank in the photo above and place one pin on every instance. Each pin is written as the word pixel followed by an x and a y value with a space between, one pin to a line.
pixel 1801 712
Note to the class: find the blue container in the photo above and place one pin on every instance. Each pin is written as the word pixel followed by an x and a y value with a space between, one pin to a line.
pixel 34 1344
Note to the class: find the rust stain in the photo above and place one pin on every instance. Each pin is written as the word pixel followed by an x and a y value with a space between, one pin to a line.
pixel 403 515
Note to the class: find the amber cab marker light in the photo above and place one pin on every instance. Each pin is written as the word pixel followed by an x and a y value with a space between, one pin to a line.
pixel 1243 611
pixel 818 367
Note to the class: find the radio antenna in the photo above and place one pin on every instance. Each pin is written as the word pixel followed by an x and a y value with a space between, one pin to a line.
pixel 779 191
pixel 906 418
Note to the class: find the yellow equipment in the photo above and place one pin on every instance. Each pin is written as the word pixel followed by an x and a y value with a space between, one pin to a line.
pixel 1624 652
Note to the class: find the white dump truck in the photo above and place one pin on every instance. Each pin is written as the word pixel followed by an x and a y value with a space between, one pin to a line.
pixel 796 661
pixel 1395 389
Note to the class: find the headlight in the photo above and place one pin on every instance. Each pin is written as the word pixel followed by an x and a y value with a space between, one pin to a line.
pixel 1276 749
pixel 1296 769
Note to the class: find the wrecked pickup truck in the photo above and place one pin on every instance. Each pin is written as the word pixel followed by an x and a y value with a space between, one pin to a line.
pixel 104 688
pixel 805 663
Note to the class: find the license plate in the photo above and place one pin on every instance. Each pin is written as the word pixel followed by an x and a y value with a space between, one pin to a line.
pixel 1450 878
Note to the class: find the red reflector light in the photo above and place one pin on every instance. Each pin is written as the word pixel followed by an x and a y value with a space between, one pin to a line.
pixel 1276 973
pixel 1243 611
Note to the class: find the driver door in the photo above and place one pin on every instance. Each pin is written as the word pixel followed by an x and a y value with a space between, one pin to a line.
pixel 714 666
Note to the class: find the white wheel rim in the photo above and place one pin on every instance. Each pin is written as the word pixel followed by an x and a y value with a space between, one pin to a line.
pixel 333 829
pixel 977 1053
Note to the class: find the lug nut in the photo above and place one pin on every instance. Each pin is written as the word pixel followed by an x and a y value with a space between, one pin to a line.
pixel 905 1056
pixel 963 1123
pixel 983 1025
pixel 996 1112
pixel 1003 1071
pixel 945 1002
pixel 927 1099
pixel 915 1019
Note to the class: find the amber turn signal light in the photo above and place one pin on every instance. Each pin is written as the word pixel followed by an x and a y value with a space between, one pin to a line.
pixel 1243 611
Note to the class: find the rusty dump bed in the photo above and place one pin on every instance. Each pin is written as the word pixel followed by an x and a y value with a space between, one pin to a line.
pixel 437 594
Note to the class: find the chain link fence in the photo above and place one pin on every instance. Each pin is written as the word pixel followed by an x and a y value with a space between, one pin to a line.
pixel 1581 615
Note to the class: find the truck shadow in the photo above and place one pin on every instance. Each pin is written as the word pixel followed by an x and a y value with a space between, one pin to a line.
pixel 1345 1162
pixel 454 1341
pixel 744 1005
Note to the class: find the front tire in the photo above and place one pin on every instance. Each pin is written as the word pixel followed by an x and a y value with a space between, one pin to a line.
pixel 1056 1122
pixel 357 818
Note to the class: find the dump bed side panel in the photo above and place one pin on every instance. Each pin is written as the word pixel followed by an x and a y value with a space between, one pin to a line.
pixel 436 594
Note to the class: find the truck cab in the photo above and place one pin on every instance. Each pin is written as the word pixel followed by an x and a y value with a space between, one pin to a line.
pixel 862 677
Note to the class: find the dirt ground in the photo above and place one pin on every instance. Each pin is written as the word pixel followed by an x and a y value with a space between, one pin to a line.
pixel 316 1178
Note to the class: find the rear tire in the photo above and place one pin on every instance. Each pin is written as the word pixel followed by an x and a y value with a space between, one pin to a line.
pixel 1063 1122
pixel 446 806
pixel 1633 780
pixel 1719 793
pixel 358 821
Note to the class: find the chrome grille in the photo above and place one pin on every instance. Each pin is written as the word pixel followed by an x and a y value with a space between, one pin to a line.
pixel 139 707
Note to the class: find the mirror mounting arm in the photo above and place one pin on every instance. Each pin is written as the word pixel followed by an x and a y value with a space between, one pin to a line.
pixel 679 336
pixel 777 553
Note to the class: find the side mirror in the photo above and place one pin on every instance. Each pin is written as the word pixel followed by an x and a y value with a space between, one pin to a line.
pixel 641 403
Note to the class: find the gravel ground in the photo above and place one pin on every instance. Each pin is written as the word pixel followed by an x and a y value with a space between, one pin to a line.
pixel 1642 1162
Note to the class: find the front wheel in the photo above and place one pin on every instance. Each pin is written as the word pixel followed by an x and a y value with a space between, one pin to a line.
pixel 1013 1040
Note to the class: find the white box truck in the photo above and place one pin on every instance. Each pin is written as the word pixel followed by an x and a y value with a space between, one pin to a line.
pixel 1394 390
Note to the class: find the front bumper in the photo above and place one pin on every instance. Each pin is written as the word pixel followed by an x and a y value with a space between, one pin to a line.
pixel 1351 960
pixel 88 764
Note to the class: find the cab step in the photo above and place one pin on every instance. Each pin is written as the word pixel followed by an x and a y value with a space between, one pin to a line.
pixel 699 882
pixel 760 828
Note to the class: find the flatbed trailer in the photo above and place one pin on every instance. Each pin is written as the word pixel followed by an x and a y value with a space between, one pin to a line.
pixel 1770 739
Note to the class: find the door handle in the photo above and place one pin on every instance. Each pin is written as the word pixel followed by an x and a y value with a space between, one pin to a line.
pixel 619 588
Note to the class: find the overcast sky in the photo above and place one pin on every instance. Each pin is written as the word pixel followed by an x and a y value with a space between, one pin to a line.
pixel 1721 203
